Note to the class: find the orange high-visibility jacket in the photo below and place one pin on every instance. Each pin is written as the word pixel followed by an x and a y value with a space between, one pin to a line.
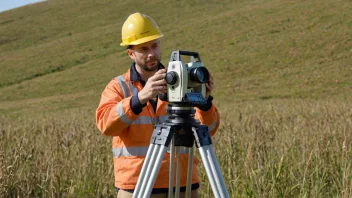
pixel 131 133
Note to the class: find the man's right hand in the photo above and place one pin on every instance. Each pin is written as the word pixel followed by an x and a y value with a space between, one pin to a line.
pixel 154 86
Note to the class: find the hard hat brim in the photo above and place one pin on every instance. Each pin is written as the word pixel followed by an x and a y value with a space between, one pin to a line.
pixel 143 40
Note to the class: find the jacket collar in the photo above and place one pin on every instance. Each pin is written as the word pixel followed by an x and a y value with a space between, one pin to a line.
pixel 134 75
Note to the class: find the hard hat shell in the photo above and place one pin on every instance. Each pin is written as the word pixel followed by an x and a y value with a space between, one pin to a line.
pixel 139 28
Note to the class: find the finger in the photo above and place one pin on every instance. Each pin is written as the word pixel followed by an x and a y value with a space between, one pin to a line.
pixel 164 86
pixel 211 81
pixel 157 76
pixel 164 90
pixel 157 88
pixel 209 87
pixel 160 89
pixel 161 71
pixel 210 76
pixel 159 82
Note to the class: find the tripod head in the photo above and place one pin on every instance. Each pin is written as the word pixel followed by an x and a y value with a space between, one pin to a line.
pixel 181 118
pixel 180 113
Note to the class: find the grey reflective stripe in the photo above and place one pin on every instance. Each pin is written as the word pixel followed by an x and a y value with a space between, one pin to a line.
pixel 126 93
pixel 137 151
pixel 212 126
pixel 161 119
pixel 130 151
pixel 125 89
pixel 140 120
pixel 143 120
pixel 122 115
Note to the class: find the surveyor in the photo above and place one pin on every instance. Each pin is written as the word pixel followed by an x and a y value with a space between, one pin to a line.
pixel 129 108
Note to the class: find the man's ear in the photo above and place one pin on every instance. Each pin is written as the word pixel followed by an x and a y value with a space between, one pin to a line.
pixel 130 54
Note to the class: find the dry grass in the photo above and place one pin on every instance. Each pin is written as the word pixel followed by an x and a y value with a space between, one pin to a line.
pixel 53 156
pixel 282 148
pixel 275 63
pixel 287 149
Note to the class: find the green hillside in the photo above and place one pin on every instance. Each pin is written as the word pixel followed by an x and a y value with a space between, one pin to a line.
pixel 60 54
pixel 283 88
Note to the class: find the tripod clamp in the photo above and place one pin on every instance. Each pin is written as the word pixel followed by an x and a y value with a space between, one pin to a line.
pixel 162 135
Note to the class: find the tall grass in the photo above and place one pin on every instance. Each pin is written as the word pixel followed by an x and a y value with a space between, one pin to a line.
pixel 287 149
pixel 273 148
pixel 55 156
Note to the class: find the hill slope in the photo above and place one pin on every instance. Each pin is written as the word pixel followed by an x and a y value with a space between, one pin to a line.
pixel 283 89
pixel 60 54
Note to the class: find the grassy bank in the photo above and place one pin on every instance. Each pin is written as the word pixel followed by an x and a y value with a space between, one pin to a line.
pixel 290 148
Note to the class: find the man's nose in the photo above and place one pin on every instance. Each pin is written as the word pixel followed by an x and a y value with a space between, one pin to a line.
pixel 152 53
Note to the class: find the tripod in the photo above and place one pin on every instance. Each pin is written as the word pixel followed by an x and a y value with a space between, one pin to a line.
pixel 179 130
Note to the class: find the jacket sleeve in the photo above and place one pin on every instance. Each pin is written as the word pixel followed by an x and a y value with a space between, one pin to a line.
pixel 211 118
pixel 114 113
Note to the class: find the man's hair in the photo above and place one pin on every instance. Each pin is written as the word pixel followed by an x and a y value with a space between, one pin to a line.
pixel 131 46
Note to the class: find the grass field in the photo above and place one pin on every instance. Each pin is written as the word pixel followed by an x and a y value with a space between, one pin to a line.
pixel 283 75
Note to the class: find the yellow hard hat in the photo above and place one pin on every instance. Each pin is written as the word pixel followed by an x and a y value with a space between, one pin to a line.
pixel 139 28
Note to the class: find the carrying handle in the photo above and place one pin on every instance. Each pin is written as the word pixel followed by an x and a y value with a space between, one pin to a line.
pixel 176 55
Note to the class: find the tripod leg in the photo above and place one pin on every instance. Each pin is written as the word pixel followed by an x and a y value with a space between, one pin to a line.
pixel 178 175
pixel 210 174
pixel 189 172
pixel 171 170
pixel 155 169
pixel 218 171
pixel 150 172
pixel 213 171
pixel 161 138
pixel 144 169
pixel 204 144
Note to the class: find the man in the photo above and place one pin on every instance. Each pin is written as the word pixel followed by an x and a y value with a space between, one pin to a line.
pixel 130 107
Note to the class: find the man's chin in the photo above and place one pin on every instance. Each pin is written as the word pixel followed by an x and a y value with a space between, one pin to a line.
pixel 152 66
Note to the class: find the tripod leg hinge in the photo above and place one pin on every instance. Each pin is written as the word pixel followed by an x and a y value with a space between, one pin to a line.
pixel 201 135
pixel 162 135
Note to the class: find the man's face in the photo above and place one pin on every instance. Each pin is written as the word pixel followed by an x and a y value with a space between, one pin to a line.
pixel 146 55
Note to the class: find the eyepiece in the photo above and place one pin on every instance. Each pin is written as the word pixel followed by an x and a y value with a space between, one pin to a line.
pixel 199 75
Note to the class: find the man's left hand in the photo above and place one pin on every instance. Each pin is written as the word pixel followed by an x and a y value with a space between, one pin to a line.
pixel 209 86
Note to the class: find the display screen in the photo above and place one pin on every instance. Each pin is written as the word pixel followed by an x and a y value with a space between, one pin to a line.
pixel 195 98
